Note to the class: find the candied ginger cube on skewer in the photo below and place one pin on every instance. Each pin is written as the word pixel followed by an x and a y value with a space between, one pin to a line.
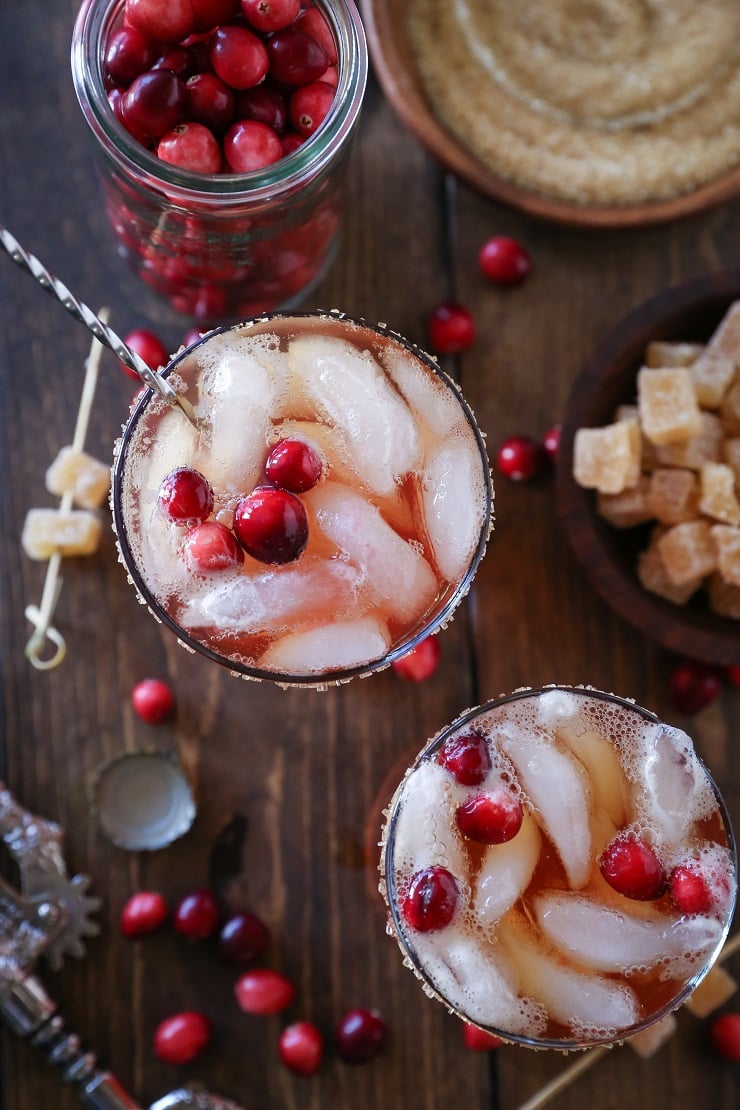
pixel 724 597
pixel 692 453
pixel 607 459
pixel 505 872
pixel 661 354
pixel 666 399
pixel 647 1042
pixel 726 337
pixel 328 647
pixel 628 508
pixel 712 376
pixel 50 531
pixel 727 540
pixel 688 551
pixel 718 498
pixel 673 495
pixel 715 989
pixel 79 474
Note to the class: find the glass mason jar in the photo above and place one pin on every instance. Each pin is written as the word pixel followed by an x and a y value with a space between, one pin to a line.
pixel 222 246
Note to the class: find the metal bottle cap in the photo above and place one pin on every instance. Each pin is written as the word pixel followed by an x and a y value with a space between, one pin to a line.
pixel 143 800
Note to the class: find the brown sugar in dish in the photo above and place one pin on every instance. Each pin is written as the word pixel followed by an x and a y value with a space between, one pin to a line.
pixel 590 101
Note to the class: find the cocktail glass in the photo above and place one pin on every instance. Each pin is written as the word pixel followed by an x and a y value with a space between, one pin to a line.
pixel 558 932
pixel 397 523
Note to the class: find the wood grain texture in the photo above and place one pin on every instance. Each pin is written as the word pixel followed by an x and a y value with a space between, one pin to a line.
pixel 288 782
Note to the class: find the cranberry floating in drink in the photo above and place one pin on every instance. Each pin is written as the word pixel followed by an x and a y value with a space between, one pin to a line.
pixel 325 513
pixel 559 868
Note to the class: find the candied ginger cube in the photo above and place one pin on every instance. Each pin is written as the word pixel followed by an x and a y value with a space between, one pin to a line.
pixel 667 403
pixel 607 459
pixel 724 597
pixel 647 449
pixel 726 338
pixel 46 531
pixel 688 551
pixel 727 540
pixel 731 455
pixel 730 409
pixel 673 495
pixel 660 354
pixel 718 498
pixel 712 375
pixel 654 577
pixel 648 1041
pixel 628 508
pixel 693 453
pixel 78 473
pixel 712 992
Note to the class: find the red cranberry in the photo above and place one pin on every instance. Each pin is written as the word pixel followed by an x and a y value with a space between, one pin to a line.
pixel 153 103
pixel 177 60
pixel 161 22
pixel 466 757
pixel 179 1039
pixel 478 1040
pixel 451 328
pixel 360 1035
pixel 238 56
pixel 724 1034
pixel 294 465
pixel 271 525
pixel 431 899
pixel 521 458
pixel 313 23
pixel 265 104
pixel 243 937
pixel 551 442
pixel 196 914
pixel 148 347
pixel 144 912
pixel 185 496
pixel 492 818
pixel 192 335
pixel 263 992
pixel 212 546
pixel 733 675
pixel 421 662
pixel 191 146
pixel 270 15
pixel 152 700
pixel 301 1048
pixel 504 261
pixel 207 14
pixel 250 145
pixel 694 686
pixel 631 867
pixel 209 101
pixel 295 57
pixel 128 54
pixel 290 142
pixel 309 106
pixel 689 890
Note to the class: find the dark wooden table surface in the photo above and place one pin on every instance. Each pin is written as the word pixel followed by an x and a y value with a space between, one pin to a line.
pixel 287 783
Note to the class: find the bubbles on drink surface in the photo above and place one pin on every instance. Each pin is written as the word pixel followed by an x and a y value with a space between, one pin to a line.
pixel 396 515
pixel 542 945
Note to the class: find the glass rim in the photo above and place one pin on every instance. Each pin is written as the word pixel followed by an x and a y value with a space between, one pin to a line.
pixel 94 20
pixel 388 890
pixel 439 618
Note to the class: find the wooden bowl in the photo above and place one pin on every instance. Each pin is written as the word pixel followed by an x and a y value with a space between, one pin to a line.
pixel 393 61
pixel 608 555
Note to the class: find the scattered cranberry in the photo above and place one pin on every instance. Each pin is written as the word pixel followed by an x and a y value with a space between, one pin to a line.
pixel 733 675
pixel 196 915
pixel 211 546
pixel 294 465
pixel 192 335
pixel 179 1039
pixel 153 700
pixel 521 458
pixel 694 686
pixel 421 662
pixel 271 525
pixel 451 328
pixel 185 496
pixel 631 867
pixel 431 899
pixel 478 1040
pixel 264 992
pixel 309 106
pixel 296 58
pixel 551 442
pixel 492 818
pixel 724 1033
pixel 689 890
pixel 144 912
pixel 360 1035
pixel 504 261
pixel 148 347
pixel 301 1048
pixel 250 145
pixel 270 15
pixel 466 757
pixel 243 937
pixel 190 146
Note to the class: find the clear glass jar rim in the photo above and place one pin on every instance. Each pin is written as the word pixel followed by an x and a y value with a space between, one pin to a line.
pixel 93 22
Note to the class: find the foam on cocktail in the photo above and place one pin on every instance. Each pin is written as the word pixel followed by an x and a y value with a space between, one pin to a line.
pixel 540 945
pixel 395 522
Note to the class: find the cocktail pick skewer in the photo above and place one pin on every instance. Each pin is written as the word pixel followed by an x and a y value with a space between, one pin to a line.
pixel 86 316
pixel 587 1059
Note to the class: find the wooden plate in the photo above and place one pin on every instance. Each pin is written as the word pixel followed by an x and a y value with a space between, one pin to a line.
pixel 608 555
pixel 393 61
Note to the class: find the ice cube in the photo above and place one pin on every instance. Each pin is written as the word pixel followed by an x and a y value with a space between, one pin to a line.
pixel 558 789
pixel 175 445
pixel 505 872
pixel 611 940
pixel 394 570
pixel 425 830
pixel 429 398
pixel 599 756
pixel 350 389
pixel 583 1002
pixel 676 790
pixel 328 647
pixel 454 506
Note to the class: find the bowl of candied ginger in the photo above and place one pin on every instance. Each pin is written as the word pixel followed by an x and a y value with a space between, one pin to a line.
pixel 649 468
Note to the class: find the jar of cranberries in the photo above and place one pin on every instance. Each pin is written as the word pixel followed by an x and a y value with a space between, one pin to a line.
pixel 223 129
